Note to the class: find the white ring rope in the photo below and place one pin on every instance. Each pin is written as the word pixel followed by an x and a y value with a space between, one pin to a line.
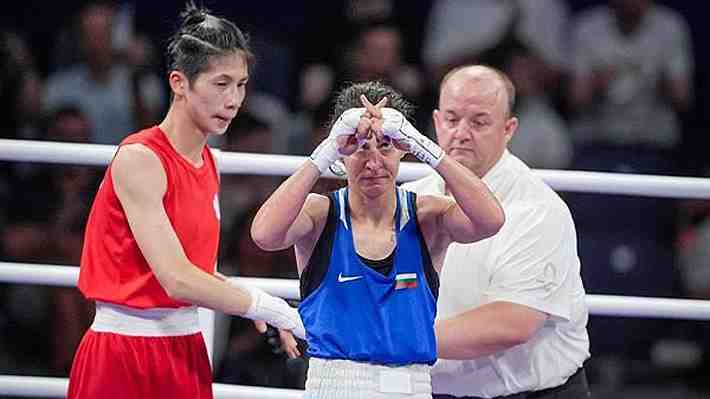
pixel 263 164
pixel 605 305
pixel 52 387
pixel 284 165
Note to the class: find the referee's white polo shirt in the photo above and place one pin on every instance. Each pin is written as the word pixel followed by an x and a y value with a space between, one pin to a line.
pixel 531 261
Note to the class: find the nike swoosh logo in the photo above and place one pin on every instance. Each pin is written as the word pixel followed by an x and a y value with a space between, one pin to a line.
pixel 343 279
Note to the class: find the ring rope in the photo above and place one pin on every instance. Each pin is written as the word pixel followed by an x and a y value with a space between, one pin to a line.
pixel 54 387
pixel 606 305
pixel 285 165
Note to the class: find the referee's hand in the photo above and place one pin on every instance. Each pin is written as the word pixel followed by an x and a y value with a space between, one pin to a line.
pixel 260 326
pixel 281 341
pixel 289 344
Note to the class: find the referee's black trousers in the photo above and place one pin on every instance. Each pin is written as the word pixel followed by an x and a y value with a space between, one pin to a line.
pixel 575 387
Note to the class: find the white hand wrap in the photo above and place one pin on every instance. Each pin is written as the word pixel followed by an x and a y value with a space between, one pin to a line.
pixel 272 310
pixel 398 128
pixel 327 151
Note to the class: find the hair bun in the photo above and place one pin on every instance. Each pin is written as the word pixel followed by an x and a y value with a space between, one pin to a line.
pixel 193 15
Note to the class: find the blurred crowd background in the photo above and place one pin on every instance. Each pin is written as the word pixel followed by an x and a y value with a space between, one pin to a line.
pixel 619 86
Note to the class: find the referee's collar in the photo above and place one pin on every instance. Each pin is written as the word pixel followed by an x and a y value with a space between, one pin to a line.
pixel 494 178
pixel 496 175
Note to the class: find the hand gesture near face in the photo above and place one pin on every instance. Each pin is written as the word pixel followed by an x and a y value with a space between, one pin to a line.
pixel 349 132
pixel 406 137
pixel 370 122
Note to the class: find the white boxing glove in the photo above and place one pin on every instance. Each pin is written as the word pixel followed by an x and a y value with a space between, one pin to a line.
pixel 398 128
pixel 272 310
pixel 327 151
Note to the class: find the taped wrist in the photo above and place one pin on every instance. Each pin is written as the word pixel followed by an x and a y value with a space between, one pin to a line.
pixel 397 127
pixel 325 154
pixel 272 310
pixel 421 146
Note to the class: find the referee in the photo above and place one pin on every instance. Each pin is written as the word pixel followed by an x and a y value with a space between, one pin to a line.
pixel 512 318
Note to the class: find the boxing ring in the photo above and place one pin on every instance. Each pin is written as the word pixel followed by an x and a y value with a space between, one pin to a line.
pixel 283 165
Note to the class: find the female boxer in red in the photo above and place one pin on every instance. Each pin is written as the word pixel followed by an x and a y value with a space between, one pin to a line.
pixel 151 241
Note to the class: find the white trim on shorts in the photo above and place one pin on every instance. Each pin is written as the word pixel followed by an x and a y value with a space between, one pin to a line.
pixel 153 322
pixel 345 379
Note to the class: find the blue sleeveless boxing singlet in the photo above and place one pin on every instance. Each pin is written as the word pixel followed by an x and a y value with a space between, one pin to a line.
pixel 358 314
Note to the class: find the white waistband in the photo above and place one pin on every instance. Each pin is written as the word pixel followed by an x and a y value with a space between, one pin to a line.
pixel 154 322
pixel 345 379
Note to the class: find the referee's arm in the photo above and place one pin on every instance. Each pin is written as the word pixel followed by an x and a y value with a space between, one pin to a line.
pixel 487 329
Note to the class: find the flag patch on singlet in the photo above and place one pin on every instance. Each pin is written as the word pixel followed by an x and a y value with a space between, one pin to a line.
pixel 405 280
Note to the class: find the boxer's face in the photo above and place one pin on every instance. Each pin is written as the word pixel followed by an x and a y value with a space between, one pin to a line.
pixel 215 95
pixel 373 168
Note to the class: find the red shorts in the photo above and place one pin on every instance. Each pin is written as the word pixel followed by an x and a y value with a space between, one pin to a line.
pixel 112 365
